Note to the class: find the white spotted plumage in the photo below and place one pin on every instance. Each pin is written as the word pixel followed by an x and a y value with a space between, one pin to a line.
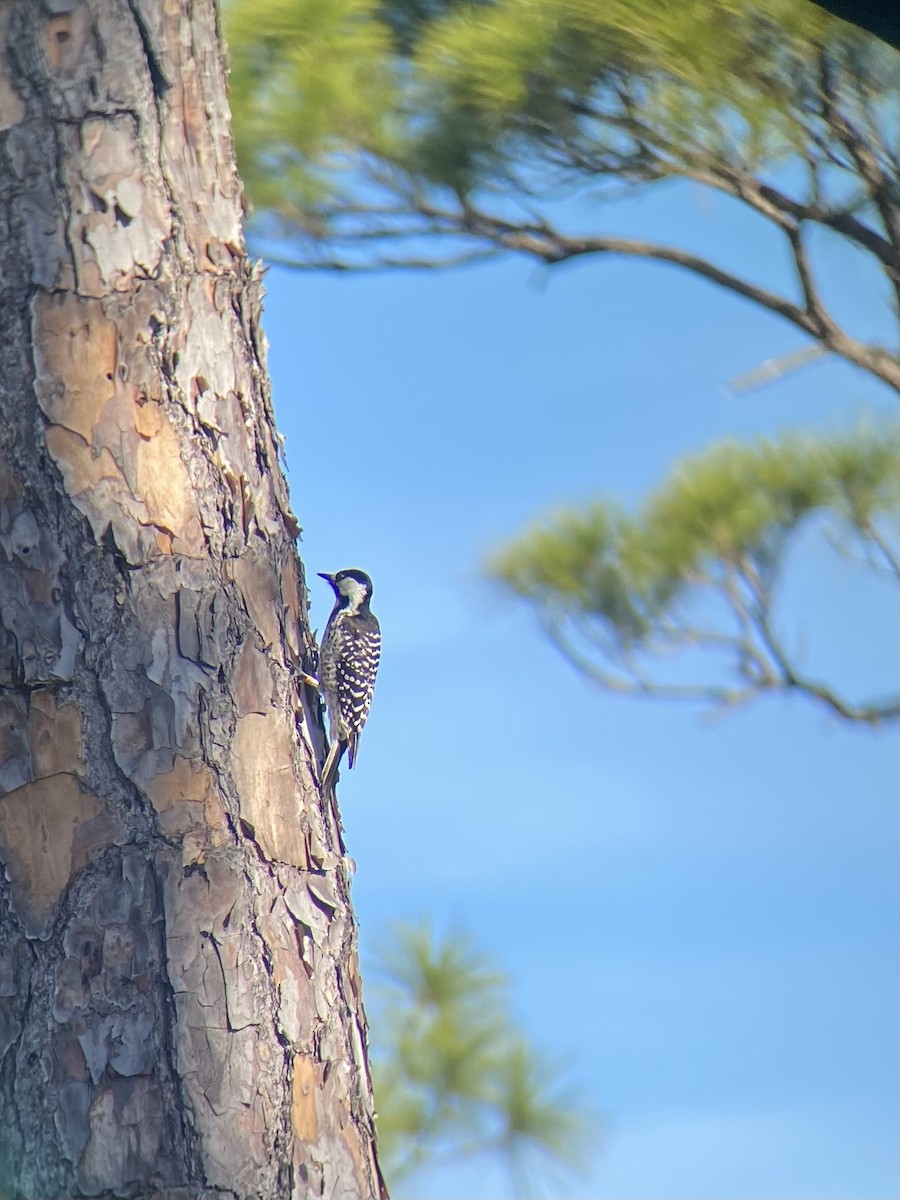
pixel 348 664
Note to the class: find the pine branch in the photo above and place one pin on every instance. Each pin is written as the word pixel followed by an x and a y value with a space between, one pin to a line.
pixel 539 239
pixel 554 247
pixel 883 191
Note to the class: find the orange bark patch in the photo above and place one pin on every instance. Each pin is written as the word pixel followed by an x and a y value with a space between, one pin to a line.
pixel 48 831
pixel 161 477
pixel 64 40
pixel 256 580
pixel 290 602
pixel 54 736
pixel 186 799
pixel 305 1084
pixel 82 470
pixel 264 773
pixel 252 681
pixel 75 359
pixel 148 419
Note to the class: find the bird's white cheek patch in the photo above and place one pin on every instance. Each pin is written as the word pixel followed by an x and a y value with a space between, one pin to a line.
pixel 354 591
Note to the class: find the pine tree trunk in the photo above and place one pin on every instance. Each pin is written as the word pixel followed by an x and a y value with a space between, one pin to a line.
pixel 180 1006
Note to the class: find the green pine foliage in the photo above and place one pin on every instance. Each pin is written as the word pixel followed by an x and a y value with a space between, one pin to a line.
pixel 309 80
pixel 698 566
pixel 377 133
pixel 454 1077
pixel 334 99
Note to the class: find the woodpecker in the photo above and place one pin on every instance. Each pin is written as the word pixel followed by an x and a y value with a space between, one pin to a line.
pixel 348 662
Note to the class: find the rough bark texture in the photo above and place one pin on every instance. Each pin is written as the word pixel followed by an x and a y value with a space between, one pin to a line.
pixel 180 1004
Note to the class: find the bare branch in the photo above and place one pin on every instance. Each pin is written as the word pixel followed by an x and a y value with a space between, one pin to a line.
pixel 382 263
pixel 883 195
pixel 716 172
pixel 622 684
pixel 812 300
pixel 757 655
pixel 871 534
pixel 791 679
pixel 539 239
pixel 554 247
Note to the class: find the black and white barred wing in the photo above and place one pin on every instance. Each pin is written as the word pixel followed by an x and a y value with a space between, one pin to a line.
pixel 357 661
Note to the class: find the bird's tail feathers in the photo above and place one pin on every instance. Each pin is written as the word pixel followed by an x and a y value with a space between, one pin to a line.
pixel 332 762
pixel 352 749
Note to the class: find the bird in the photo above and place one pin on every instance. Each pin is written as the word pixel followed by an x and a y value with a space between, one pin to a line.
pixel 348 663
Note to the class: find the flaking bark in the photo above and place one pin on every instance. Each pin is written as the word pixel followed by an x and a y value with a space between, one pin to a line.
pixel 180 1009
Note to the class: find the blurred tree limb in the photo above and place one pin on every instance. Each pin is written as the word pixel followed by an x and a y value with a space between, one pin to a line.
pixel 680 599
pixel 453 1075
pixel 417 133
pixel 433 132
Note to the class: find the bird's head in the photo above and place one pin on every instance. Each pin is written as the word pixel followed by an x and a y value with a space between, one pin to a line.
pixel 353 588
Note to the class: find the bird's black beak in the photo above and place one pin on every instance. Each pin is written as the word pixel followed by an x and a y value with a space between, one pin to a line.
pixel 325 575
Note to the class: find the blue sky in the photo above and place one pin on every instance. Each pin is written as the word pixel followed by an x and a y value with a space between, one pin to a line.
pixel 700 917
